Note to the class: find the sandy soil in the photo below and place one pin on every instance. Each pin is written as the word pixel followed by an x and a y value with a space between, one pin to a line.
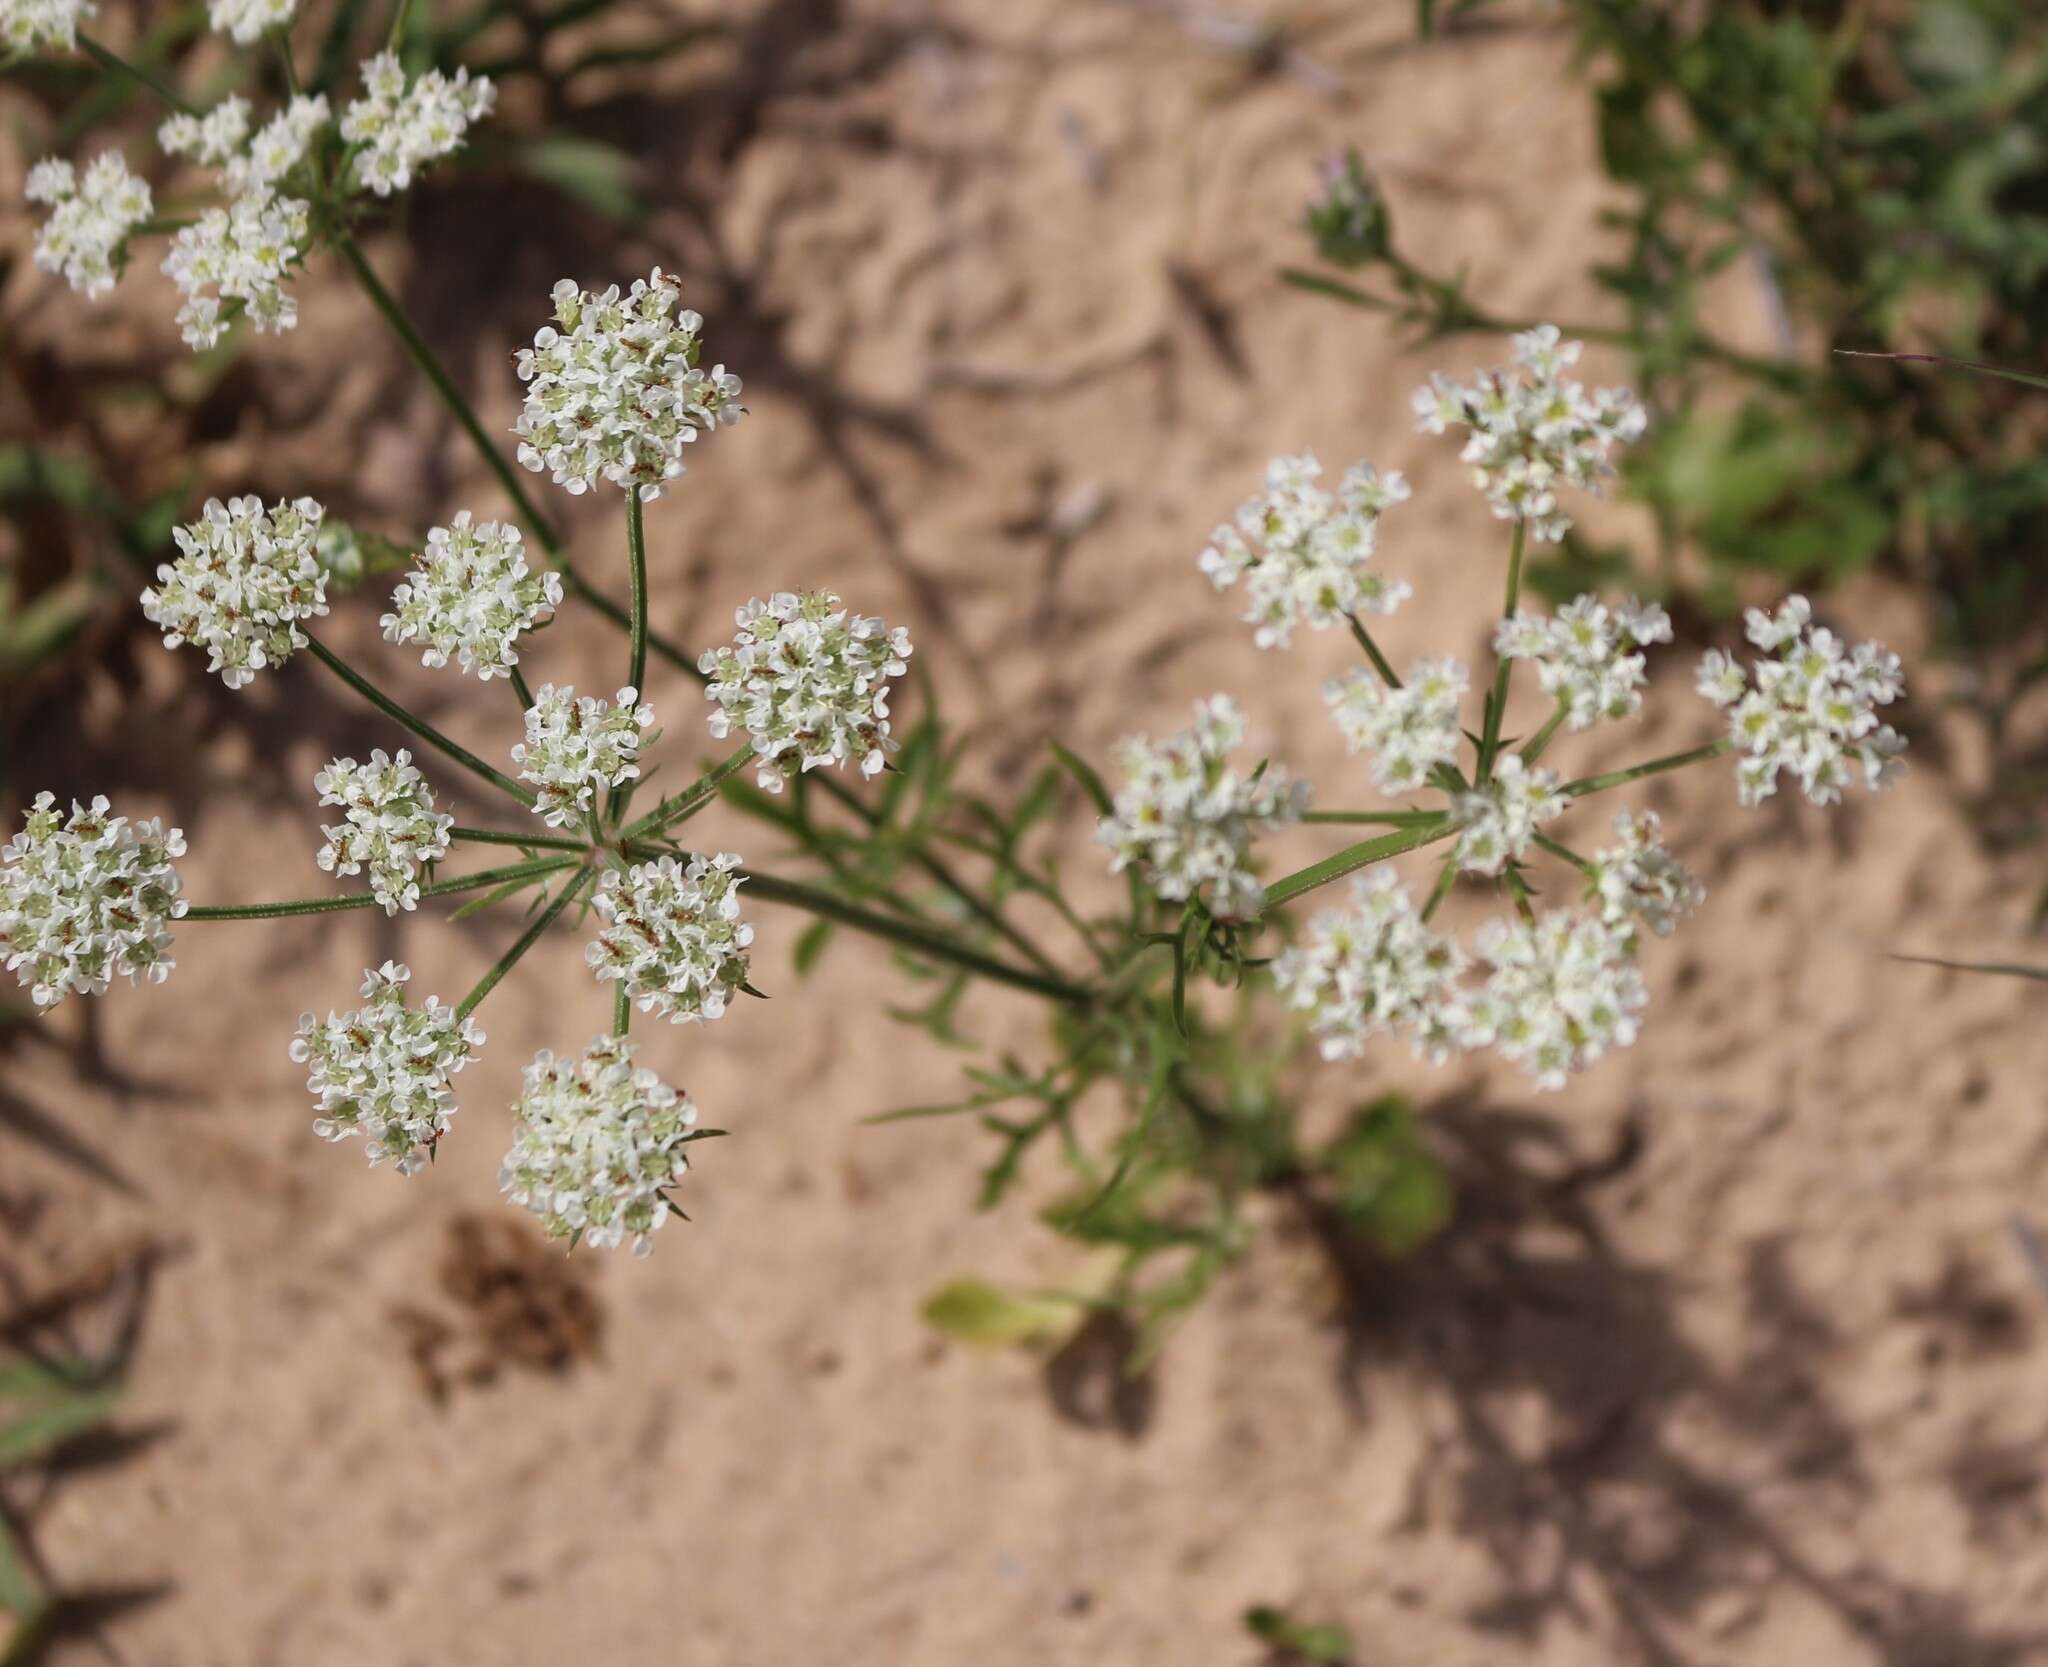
pixel 1765 1389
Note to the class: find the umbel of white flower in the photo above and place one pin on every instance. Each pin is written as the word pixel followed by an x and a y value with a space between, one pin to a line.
pixel 597 1145
pixel 381 1071
pixel 1564 990
pixel 673 935
pixel 808 682
pixel 244 579
pixel 28 24
pixel 220 139
pixel 91 217
pixel 1410 731
pixel 402 126
pixel 1375 969
pixel 87 896
pixel 1303 552
pixel 392 828
pixel 1533 430
pixel 212 139
pixel 576 746
pixel 1498 821
pixel 1812 711
pixel 470 595
pixel 242 251
pixel 244 21
pixel 614 391
pixel 1188 819
pixel 1638 879
pixel 1588 656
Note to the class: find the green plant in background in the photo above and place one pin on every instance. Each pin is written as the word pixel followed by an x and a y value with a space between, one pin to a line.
pixel 1859 179
pixel 1310 1644
pixel 43 1404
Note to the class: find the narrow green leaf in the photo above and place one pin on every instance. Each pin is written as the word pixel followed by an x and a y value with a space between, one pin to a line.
pixel 1084 773
pixel 974 1311
pixel 37 1432
pixel 2005 969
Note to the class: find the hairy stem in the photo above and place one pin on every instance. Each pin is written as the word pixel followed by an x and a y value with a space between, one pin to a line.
pixel 537 869
pixel 1496 706
pixel 1372 651
pixel 539 842
pixel 687 803
pixel 1383 818
pixel 527 939
pixel 1354 857
pixel 1656 767
pixel 636 561
pixel 418 725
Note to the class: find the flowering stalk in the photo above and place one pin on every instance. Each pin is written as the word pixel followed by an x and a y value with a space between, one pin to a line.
pixel 527 939
pixel 511 874
pixel 1496 706
pixel 1372 651
pixel 687 803
pixel 1655 767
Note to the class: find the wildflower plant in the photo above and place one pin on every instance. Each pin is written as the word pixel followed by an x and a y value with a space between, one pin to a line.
pixel 966 889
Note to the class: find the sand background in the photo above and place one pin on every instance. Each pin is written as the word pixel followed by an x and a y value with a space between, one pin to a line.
pixel 1763 1389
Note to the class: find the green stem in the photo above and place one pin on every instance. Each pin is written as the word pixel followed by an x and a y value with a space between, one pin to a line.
pixel 636 558
pixel 939 946
pixel 1541 739
pixel 1636 772
pixel 520 689
pixel 1353 857
pixel 330 905
pixel 1558 848
pixel 1383 818
pixel 1372 651
pixel 451 396
pixel 395 36
pixel 1446 877
pixel 686 803
pixel 418 725
pixel 527 939
pixel 622 1010
pixel 1496 706
pixel 526 841
pixel 1519 889
pixel 108 60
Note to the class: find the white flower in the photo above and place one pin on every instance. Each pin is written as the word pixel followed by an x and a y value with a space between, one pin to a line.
pixel 808 682
pixel 1188 820
pixel 1638 879
pixel 243 251
pixel 1499 821
pixel 615 393
pixel 597 1145
pixel 244 579
pixel 214 138
pixel 576 745
pixel 471 595
pixel 1587 655
pixel 382 1070
pixel 1563 991
pixel 1303 551
pixel 1409 731
pixel 1532 430
pixel 392 828
pixel 86 897
pixel 279 146
pixel 245 20
pixel 403 127
pixel 1376 968
pixel 1812 711
pixel 673 934
pixel 86 236
pixel 28 24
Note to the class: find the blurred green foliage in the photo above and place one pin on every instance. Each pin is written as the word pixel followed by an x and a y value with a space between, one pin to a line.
pixel 1859 180
pixel 43 1404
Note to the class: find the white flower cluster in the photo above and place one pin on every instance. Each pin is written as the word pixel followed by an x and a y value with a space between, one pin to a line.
pixel 1409 731
pixel 615 393
pixel 1588 656
pixel 1639 879
pixel 1564 990
pixel 213 139
pixel 28 24
pixel 1376 968
pixel 576 745
pixel 244 579
pixel 1812 711
pixel 1498 821
pixel 1303 552
pixel 597 1145
pixel 1188 820
pixel 808 681
pixel 85 897
pixel 86 236
pixel 1533 430
pixel 244 21
pixel 243 251
pixel 673 934
pixel 392 828
pixel 403 127
pixel 279 146
pixel 381 1071
pixel 471 595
